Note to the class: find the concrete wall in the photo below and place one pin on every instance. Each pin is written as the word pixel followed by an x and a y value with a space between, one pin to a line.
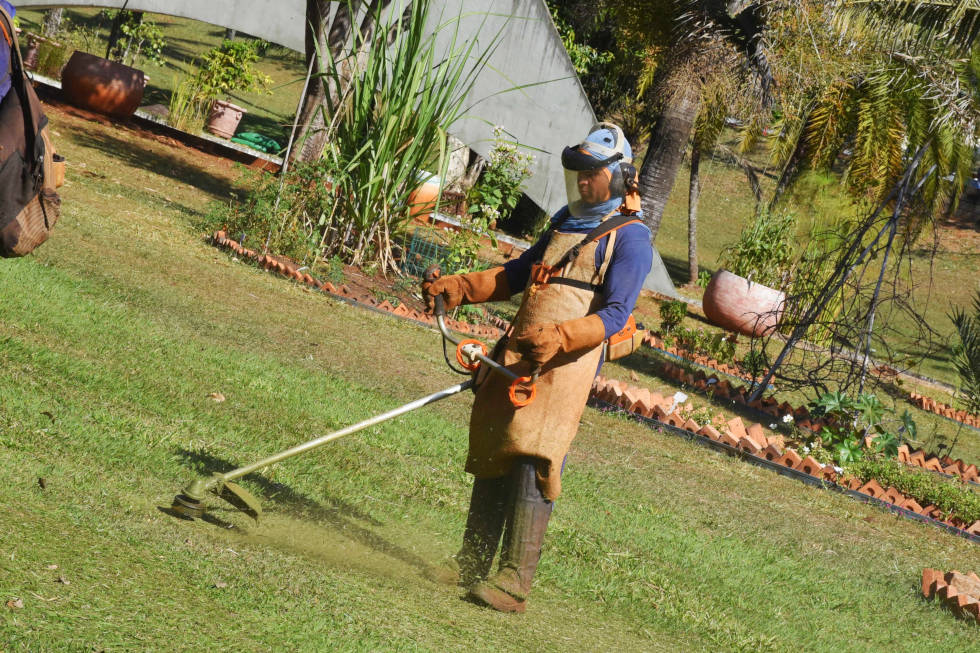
pixel 551 111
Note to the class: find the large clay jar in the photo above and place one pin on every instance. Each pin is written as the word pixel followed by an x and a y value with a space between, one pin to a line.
pixel 224 118
pixel 422 200
pixel 737 304
pixel 100 85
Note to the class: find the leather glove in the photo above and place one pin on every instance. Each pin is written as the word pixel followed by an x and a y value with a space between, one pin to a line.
pixel 541 342
pixel 473 288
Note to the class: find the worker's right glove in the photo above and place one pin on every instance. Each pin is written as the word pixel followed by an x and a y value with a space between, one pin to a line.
pixel 540 342
pixel 473 288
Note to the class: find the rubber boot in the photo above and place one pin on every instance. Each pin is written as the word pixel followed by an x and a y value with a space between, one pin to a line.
pixel 484 524
pixel 508 589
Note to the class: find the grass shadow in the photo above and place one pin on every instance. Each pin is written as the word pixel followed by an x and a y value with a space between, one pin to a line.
pixel 140 157
pixel 338 515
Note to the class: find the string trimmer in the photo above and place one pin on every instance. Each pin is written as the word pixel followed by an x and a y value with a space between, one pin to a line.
pixel 469 353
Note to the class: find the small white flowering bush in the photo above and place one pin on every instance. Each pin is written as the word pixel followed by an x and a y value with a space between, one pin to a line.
pixel 490 199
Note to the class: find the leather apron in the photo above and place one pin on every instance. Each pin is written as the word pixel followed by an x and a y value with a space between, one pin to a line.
pixel 545 428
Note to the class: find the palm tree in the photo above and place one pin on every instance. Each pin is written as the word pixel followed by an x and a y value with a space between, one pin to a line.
pixel 675 32
pixel 905 120
pixel 897 95
pixel 679 35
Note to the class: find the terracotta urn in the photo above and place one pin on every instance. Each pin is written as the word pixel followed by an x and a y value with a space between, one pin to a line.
pixel 738 304
pixel 422 200
pixel 100 85
pixel 224 118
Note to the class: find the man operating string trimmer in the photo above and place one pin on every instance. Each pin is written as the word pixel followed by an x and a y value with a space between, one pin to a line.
pixel 580 282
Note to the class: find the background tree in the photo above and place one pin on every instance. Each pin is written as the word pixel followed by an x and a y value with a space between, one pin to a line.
pixel 52 21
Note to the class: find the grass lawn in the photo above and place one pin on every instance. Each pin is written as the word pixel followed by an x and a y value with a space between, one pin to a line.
pixel 112 337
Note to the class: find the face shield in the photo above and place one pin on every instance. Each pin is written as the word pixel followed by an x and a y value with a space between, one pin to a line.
pixel 593 177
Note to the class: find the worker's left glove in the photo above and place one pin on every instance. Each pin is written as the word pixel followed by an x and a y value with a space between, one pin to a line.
pixel 541 342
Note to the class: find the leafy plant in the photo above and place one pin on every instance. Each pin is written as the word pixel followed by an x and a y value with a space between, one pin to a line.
pixel 850 421
pixel 334 270
pixel 704 278
pixel 463 246
pixel 966 354
pixel 230 67
pixel 497 192
pixel 754 362
pixel 763 252
pixel 143 38
pixel 672 313
pixel 469 313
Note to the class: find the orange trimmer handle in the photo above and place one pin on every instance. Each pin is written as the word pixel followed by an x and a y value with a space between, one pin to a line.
pixel 519 384
pixel 462 360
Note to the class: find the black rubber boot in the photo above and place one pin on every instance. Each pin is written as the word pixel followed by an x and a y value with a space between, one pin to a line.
pixel 484 524
pixel 508 589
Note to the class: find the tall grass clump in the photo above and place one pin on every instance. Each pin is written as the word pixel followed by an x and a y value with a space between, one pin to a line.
pixel 389 105
pixel 387 120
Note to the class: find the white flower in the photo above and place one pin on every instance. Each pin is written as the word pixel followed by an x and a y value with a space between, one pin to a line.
pixel 805 448
pixel 772 426
pixel 787 419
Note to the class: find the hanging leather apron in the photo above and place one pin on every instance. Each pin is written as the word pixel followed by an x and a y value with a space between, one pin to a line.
pixel 545 428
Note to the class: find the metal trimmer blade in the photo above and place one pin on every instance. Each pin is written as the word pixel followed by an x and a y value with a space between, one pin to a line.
pixel 242 499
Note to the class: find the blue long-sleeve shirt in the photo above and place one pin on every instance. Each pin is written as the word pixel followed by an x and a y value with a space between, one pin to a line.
pixel 632 259
pixel 5 53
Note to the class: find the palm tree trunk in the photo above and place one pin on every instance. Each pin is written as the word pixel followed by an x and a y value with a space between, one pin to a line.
pixel 668 141
pixel 694 193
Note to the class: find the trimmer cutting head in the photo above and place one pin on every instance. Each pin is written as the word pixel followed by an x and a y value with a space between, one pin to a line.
pixel 190 503
pixel 184 506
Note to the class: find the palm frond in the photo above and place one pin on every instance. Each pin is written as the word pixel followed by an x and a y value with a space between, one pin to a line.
pixel 913 24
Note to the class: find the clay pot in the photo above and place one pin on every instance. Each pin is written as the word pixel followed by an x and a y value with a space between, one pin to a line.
pixel 737 304
pixel 422 200
pixel 100 85
pixel 224 118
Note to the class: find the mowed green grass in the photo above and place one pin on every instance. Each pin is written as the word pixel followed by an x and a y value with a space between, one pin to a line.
pixel 112 337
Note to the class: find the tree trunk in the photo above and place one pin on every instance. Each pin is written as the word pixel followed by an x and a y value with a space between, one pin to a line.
pixel 52 21
pixel 311 115
pixel 668 141
pixel 694 193
pixel 312 135
pixel 114 33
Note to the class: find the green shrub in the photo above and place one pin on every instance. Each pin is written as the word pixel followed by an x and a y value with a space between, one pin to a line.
pixel 763 252
pixel 952 496
pixel 850 421
pixel 754 362
pixel 228 68
pixel 672 313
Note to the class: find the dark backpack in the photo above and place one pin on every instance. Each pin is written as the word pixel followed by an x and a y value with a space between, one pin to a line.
pixel 29 205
